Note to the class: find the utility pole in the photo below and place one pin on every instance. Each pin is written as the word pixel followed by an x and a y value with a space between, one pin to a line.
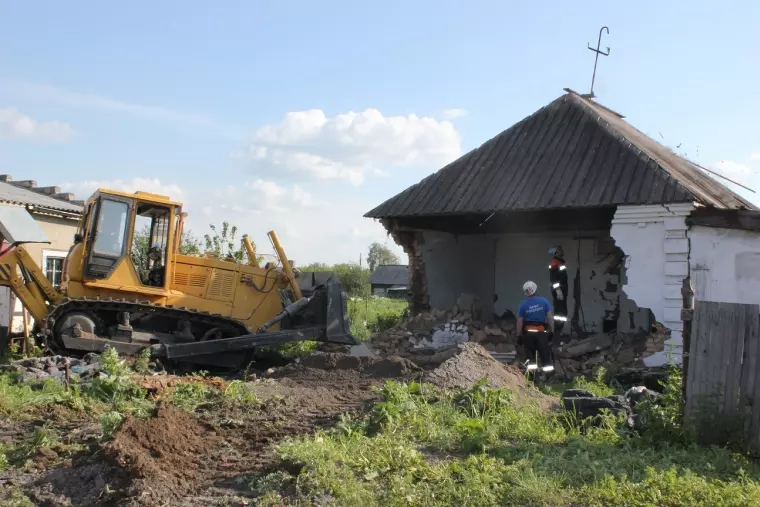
pixel 596 58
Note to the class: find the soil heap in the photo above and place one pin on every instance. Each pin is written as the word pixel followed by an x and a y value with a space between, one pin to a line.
pixel 470 363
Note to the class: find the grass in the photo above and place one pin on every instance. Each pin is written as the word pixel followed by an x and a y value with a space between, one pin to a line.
pixel 596 385
pixel 373 314
pixel 422 446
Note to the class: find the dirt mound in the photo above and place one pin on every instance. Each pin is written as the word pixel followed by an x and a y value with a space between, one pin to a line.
pixel 371 367
pixel 472 362
pixel 82 484
pixel 162 454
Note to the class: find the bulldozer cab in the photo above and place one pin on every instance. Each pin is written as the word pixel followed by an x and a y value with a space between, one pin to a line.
pixel 129 238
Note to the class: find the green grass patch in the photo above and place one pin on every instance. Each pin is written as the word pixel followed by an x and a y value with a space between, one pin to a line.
pixel 422 446
pixel 372 314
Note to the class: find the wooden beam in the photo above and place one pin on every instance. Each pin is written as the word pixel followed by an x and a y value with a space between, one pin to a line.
pixel 744 220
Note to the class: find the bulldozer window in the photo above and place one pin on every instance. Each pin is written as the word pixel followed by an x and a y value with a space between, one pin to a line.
pixel 150 243
pixel 112 224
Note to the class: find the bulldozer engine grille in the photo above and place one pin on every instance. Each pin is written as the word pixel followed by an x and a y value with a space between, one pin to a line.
pixel 222 286
pixel 188 280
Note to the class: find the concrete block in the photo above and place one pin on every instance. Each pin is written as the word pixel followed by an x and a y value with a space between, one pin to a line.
pixel 676 268
pixel 675 224
pixel 671 292
pixel 675 234
pixel 671 314
pixel 676 245
pixel 362 350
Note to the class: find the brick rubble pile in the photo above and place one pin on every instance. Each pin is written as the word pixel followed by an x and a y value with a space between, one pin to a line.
pixel 429 337
pixel 54 367
pixel 432 334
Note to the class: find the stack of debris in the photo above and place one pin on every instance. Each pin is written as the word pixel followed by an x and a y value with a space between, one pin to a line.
pixel 433 333
pixel 427 338
pixel 54 367
pixel 623 349
pixel 585 404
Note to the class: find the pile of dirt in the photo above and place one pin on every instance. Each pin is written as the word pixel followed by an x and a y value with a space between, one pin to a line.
pixel 84 483
pixel 163 454
pixel 375 367
pixel 470 363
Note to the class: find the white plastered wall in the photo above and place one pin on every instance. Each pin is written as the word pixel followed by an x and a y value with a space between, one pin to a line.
pixel 654 240
pixel 725 265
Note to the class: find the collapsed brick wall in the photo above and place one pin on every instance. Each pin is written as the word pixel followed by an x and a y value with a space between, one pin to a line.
pixel 411 242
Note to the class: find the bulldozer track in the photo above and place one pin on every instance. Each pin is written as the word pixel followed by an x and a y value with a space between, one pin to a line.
pixel 97 306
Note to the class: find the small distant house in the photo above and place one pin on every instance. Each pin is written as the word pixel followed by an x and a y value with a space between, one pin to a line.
pixel 390 281
pixel 57 216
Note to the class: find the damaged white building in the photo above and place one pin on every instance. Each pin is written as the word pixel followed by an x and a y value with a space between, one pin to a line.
pixel 634 220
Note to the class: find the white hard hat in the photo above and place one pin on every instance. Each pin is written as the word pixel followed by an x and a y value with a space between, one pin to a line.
pixel 530 288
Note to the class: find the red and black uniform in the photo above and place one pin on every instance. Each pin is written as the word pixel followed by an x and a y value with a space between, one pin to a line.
pixel 558 280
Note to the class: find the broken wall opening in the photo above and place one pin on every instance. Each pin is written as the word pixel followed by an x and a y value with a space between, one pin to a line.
pixel 657 248
pixel 490 259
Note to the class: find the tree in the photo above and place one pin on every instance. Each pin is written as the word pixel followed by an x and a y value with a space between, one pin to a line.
pixel 222 244
pixel 380 255
pixel 352 277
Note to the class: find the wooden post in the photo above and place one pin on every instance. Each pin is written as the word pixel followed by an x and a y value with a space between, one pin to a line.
pixel 687 315
pixel 25 346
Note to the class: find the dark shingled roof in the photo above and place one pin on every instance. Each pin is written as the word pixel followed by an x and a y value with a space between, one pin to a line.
pixel 390 274
pixel 572 153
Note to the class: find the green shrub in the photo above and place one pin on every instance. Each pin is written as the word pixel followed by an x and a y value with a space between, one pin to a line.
pixel 110 422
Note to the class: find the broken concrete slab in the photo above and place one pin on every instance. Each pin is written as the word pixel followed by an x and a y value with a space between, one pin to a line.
pixel 362 350
pixel 586 346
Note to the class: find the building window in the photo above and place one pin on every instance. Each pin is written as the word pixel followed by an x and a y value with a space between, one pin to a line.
pixel 53 265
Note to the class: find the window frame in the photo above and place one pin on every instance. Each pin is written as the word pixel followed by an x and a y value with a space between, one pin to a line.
pixel 53 254
pixel 96 229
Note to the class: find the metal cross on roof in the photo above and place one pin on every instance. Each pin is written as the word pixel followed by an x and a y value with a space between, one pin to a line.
pixel 596 58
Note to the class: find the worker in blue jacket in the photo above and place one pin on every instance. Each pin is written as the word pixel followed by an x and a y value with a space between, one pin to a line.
pixel 535 327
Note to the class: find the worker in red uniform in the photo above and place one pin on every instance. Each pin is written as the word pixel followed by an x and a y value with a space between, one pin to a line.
pixel 558 280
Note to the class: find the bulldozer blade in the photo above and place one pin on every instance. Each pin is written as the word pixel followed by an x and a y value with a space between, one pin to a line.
pixel 329 308
pixel 337 325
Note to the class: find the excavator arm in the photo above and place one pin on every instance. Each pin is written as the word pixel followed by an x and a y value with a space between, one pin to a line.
pixel 27 281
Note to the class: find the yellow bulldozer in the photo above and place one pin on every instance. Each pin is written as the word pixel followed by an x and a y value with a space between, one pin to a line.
pixel 196 309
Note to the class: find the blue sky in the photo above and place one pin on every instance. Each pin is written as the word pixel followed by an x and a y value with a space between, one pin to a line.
pixel 301 116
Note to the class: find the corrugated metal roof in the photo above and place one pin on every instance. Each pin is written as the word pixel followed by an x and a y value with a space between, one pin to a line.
pixel 390 274
pixel 13 194
pixel 571 153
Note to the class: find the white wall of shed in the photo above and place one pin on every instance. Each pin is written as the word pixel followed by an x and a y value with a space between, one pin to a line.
pixel 725 265
pixel 457 264
pixel 654 240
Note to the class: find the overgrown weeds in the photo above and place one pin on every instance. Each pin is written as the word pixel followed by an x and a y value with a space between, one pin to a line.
pixel 372 314
pixel 479 446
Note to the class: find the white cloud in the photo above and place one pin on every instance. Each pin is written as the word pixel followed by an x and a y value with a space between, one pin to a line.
pixel 15 124
pixel 755 156
pixel 741 174
pixel 351 145
pixel 91 101
pixel 83 189
pixel 452 114
pixel 736 171
pixel 311 229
